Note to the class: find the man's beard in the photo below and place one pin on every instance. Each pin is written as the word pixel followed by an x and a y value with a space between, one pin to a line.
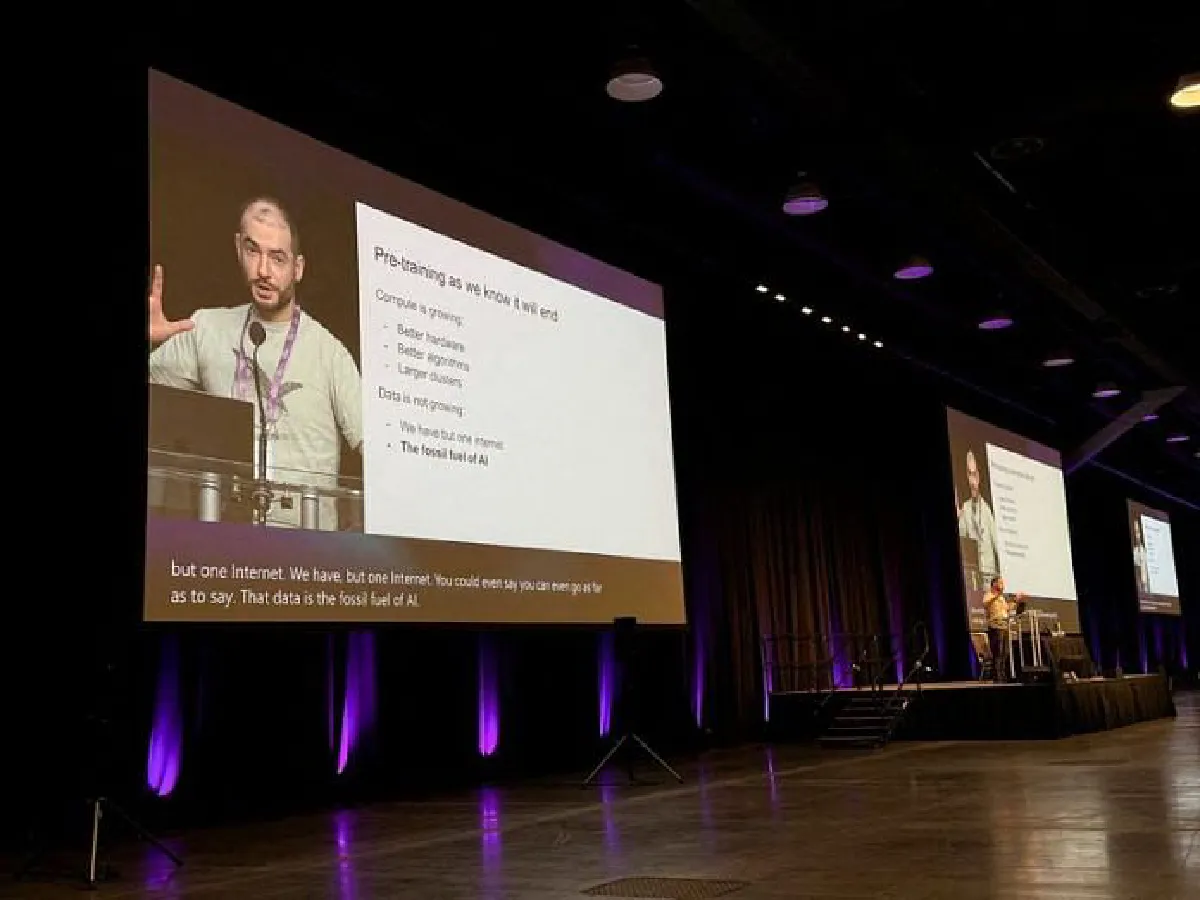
pixel 279 301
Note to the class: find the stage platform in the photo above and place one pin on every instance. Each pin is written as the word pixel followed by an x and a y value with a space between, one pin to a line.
pixel 974 710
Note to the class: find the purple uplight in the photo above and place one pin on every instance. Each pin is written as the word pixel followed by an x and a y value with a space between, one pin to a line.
pixel 916 268
pixel 1142 648
pixel 699 663
pixel 606 679
pixel 358 699
pixel 1150 417
pixel 489 698
pixel 166 732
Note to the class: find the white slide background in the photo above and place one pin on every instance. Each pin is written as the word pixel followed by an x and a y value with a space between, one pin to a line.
pixel 1160 557
pixel 1029 499
pixel 580 404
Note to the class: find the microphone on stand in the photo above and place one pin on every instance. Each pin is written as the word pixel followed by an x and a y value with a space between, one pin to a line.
pixel 262 490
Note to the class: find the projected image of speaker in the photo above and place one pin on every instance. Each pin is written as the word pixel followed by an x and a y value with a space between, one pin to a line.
pixel 1011 515
pixel 399 379
pixel 1153 560
pixel 627 711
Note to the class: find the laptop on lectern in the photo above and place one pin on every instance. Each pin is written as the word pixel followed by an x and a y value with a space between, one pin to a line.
pixel 205 428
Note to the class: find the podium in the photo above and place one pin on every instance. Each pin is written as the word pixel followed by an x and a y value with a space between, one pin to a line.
pixel 200 466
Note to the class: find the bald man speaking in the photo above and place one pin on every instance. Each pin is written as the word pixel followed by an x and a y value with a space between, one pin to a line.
pixel 312 390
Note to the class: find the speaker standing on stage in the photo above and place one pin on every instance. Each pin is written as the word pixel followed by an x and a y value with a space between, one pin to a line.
pixel 311 384
pixel 1000 609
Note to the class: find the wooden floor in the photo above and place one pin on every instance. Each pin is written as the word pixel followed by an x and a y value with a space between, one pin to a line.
pixel 1107 815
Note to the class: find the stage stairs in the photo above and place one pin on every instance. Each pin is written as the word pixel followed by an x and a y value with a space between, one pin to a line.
pixel 868 719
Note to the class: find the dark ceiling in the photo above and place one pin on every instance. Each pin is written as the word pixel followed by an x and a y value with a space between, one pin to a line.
pixel 1026 148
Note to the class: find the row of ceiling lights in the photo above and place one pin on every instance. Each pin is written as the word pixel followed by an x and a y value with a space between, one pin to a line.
pixel 825 320
pixel 634 80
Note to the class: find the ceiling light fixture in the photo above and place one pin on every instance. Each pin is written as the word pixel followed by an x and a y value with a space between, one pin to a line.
pixel 846 329
pixel 1106 390
pixel 996 321
pixel 879 345
pixel 916 267
pixel 1058 360
pixel 861 336
pixel 633 80
pixel 807 310
pixel 804 199
pixel 1150 417
pixel 1187 92
pixel 781 298
pixel 826 319
pixel 1178 439
pixel 762 289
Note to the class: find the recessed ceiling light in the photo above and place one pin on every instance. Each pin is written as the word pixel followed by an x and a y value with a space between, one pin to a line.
pixel 1150 417
pixel 826 319
pixel 1106 390
pixel 846 329
pixel 1178 439
pixel 1058 360
pixel 861 336
pixel 996 322
pixel 634 81
pixel 915 267
pixel 804 199
pixel 879 344
pixel 807 310
pixel 1187 92
pixel 762 289
pixel 781 298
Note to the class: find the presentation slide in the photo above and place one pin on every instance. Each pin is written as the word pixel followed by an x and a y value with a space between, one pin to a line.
pixel 1010 503
pixel 371 403
pixel 1153 560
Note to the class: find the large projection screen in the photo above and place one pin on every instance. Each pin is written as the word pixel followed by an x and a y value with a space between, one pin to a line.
pixel 1010 503
pixel 1153 560
pixel 465 422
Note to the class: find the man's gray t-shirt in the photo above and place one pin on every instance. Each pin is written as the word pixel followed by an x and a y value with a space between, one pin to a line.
pixel 320 398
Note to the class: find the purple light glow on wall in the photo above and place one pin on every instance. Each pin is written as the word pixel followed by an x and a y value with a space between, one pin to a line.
pixel 489 698
pixel 331 701
pixel 1142 647
pixel 1183 647
pixel 768 675
pixel 1158 642
pixel 166 731
pixel 606 680
pixel 358 698
pixel 699 664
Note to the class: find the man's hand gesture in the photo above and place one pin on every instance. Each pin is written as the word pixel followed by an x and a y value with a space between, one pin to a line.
pixel 160 327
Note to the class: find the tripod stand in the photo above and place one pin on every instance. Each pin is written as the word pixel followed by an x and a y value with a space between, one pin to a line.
pixel 102 805
pixel 625 741
pixel 623 641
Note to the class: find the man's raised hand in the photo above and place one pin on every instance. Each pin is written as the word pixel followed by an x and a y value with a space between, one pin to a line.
pixel 160 327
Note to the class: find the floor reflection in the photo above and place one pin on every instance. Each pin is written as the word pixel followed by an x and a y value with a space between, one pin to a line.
pixel 1113 815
